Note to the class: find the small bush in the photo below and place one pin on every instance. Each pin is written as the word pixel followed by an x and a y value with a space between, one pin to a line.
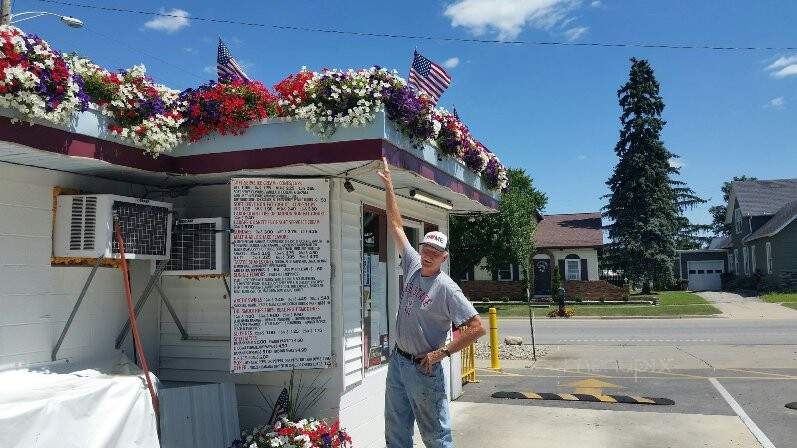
pixel 727 278
pixel 568 312
pixel 769 283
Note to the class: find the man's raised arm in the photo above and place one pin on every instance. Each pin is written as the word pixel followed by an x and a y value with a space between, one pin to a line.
pixel 394 222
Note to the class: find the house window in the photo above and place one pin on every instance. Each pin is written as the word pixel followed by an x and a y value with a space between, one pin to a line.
pixel 505 273
pixel 376 343
pixel 572 269
pixel 752 258
pixel 746 261
pixel 736 261
pixel 737 219
pixel 769 258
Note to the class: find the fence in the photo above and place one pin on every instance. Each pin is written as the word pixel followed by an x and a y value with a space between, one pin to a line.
pixel 469 364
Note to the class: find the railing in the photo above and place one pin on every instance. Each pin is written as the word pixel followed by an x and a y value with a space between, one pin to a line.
pixel 469 364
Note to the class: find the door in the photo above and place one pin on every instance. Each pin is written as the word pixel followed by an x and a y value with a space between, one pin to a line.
pixel 542 277
pixel 705 275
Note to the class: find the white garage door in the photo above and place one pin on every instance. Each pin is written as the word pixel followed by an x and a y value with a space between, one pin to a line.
pixel 705 275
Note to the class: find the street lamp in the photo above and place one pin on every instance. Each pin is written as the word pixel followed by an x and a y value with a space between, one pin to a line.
pixel 69 21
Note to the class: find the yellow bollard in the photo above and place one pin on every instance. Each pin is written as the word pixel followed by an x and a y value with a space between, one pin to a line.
pixel 494 361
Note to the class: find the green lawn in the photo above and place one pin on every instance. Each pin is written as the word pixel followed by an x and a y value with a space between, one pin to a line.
pixel 671 303
pixel 792 305
pixel 780 297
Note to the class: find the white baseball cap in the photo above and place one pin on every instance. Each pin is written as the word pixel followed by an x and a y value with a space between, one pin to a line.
pixel 438 240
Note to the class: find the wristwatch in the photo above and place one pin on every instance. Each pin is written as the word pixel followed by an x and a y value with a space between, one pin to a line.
pixel 446 352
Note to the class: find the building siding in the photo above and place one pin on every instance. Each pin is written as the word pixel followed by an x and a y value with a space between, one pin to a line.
pixel 784 248
pixel 37 298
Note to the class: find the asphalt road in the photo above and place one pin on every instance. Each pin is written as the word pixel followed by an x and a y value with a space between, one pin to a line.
pixel 702 331
pixel 686 360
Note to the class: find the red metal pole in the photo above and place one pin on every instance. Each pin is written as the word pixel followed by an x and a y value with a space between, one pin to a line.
pixel 133 325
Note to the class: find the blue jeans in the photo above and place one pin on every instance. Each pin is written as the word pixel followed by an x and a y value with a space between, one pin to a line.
pixel 410 395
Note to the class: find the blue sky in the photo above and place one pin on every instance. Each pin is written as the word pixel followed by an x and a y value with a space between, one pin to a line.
pixel 550 110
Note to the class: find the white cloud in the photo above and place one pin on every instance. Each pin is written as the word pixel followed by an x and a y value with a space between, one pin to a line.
pixel 508 17
pixel 451 62
pixel 776 103
pixel 176 20
pixel 596 4
pixel 581 157
pixel 782 67
pixel 676 163
pixel 788 70
pixel 574 33
pixel 782 62
pixel 190 50
pixel 209 69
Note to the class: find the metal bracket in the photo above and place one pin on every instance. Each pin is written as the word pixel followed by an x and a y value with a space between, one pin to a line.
pixel 120 338
pixel 75 308
pixel 183 333
pixel 227 287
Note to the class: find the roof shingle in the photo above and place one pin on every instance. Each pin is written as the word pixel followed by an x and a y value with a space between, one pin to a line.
pixel 784 216
pixel 764 197
pixel 570 230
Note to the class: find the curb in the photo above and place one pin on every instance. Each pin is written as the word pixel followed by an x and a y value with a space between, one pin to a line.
pixel 626 399
pixel 682 316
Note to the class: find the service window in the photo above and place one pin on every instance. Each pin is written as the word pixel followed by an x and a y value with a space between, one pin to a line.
pixel 376 342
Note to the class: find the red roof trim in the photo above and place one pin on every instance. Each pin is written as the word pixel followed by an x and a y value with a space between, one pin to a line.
pixel 71 144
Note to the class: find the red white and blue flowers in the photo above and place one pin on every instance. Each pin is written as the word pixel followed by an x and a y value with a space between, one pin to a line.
pixel 35 79
pixel 302 434
pixel 41 83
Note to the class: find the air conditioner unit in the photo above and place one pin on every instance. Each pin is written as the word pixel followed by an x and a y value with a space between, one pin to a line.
pixel 200 246
pixel 84 227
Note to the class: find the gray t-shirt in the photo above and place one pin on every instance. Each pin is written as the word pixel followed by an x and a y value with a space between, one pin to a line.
pixel 427 307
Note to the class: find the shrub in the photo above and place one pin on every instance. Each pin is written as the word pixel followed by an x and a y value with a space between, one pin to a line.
pixel 769 283
pixel 568 312
pixel 556 282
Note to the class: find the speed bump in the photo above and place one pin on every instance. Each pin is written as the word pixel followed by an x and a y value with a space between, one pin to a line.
pixel 595 398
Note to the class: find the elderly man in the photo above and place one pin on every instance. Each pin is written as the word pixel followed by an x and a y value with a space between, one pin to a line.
pixel 430 302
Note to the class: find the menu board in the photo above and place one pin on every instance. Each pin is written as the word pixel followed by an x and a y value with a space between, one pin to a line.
pixel 280 310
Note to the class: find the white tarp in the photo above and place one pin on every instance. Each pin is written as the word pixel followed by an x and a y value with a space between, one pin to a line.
pixel 85 408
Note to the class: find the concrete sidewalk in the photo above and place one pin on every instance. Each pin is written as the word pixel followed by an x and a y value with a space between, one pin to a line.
pixel 513 426
pixel 734 306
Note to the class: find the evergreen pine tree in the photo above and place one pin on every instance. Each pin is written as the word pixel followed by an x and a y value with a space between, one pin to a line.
pixel 645 204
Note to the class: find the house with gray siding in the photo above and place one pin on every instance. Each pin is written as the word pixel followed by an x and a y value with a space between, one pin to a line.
pixel 764 235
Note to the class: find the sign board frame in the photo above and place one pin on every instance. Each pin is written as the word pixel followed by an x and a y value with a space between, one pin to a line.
pixel 280 226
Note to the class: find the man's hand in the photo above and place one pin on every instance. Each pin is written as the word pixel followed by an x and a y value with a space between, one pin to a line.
pixel 384 173
pixel 431 359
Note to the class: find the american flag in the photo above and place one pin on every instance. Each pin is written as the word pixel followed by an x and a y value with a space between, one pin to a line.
pixel 427 76
pixel 280 407
pixel 227 66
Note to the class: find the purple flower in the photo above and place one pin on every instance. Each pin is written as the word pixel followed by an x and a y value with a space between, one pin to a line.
pixel 472 158
pixel 411 114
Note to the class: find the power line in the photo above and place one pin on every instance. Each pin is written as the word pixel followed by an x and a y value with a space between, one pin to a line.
pixel 145 53
pixel 430 38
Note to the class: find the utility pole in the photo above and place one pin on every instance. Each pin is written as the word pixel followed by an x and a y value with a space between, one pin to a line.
pixel 6 13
